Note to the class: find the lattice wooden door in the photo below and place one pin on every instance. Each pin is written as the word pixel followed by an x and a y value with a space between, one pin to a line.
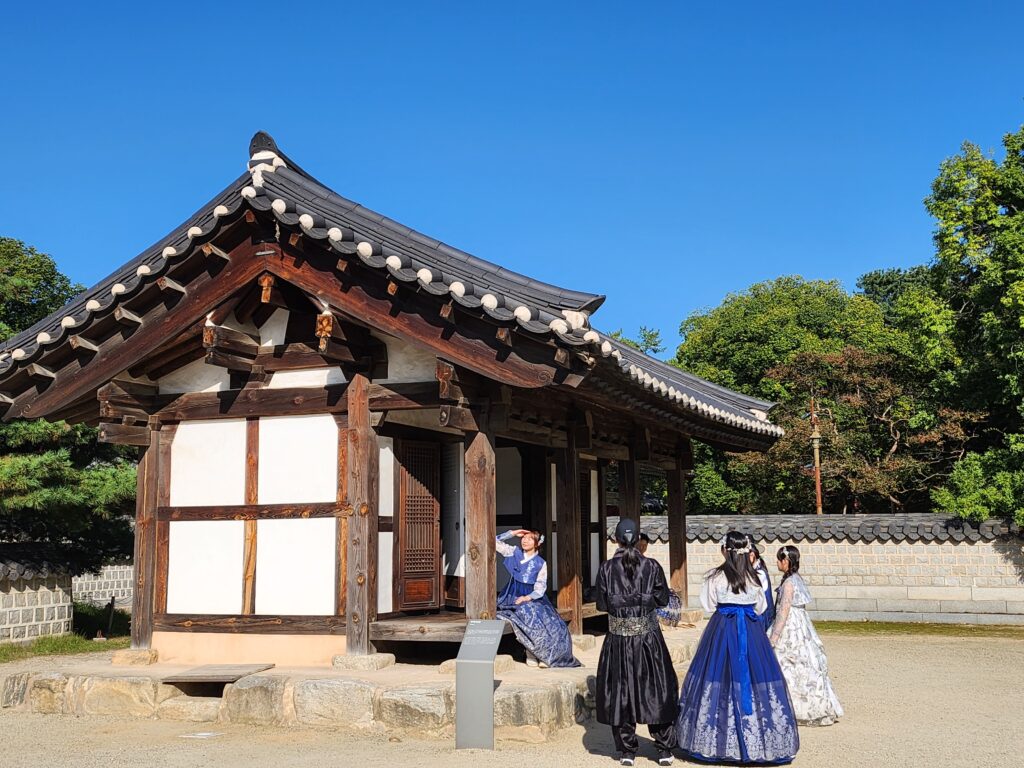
pixel 418 586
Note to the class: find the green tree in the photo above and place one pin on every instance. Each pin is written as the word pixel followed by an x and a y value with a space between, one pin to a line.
pixel 649 341
pixel 59 488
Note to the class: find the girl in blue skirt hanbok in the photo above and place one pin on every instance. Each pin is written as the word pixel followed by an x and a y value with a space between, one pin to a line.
pixel 766 583
pixel 524 604
pixel 734 705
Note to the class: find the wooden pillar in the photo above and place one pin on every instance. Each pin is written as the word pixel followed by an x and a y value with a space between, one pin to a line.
pixel 570 589
pixel 629 490
pixel 481 523
pixel 163 527
pixel 145 542
pixel 362 458
pixel 252 461
pixel 677 478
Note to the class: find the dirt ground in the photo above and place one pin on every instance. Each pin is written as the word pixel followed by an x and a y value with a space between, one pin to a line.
pixel 910 701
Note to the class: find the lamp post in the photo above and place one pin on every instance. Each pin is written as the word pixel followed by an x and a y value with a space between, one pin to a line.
pixel 816 446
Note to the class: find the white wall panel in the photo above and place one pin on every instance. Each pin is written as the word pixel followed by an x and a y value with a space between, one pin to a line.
pixel 595 498
pixel 386 464
pixel 309 377
pixel 407 362
pixel 453 509
pixel 595 556
pixel 298 459
pixel 196 376
pixel 272 332
pixel 208 463
pixel 295 566
pixel 385 569
pixel 204 566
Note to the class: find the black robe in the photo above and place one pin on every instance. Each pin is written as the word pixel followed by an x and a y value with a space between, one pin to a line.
pixel 636 682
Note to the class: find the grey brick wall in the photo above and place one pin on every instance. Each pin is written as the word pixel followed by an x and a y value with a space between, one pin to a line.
pixel 950 582
pixel 31 608
pixel 97 588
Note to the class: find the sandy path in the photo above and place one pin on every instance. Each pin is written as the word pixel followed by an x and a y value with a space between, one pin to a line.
pixel 910 701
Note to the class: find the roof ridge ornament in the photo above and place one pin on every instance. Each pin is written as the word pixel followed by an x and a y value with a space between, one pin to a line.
pixel 264 157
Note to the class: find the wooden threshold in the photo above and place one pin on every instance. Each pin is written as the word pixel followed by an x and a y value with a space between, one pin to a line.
pixel 216 673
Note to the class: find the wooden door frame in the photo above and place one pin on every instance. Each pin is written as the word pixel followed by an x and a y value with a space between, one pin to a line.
pixel 398 528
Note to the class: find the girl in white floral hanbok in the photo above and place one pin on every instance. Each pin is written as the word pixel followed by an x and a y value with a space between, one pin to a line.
pixel 799 649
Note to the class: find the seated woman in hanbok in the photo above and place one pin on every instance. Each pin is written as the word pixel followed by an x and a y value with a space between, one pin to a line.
pixel 766 583
pixel 734 705
pixel 524 604
pixel 799 649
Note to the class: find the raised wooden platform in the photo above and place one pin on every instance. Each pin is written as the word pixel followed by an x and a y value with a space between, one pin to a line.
pixel 217 673
pixel 431 627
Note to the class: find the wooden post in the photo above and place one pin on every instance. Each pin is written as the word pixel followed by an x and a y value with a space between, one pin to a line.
pixel 341 543
pixel 163 527
pixel 570 590
pixel 481 522
pixel 145 543
pixel 629 490
pixel 362 458
pixel 252 453
pixel 677 520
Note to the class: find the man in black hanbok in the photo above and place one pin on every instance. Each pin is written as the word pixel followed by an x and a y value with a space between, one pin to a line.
pixel 636 682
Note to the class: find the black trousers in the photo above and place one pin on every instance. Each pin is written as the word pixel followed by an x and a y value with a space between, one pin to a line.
pixel 664 735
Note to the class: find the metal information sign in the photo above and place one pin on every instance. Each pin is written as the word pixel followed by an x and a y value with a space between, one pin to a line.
pixel 474 684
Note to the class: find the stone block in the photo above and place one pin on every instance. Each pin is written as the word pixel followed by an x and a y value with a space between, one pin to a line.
pixel 503 663
pixel 14 690
pixel 878 592
pixel 190 709
pixel 134 657
pixel 998 593
pixel 1015 606
pixel 334 702
pixel 844 604
pixel 363 663
pixel 972 606
pixel 584 642
pixel 255 700
pixel 125 696
pixel 417 707
pixel 47 693
pixel 908 606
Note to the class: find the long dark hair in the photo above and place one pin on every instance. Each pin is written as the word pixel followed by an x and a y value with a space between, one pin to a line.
pixel 792 554
pixel 736 566
pixel 627 535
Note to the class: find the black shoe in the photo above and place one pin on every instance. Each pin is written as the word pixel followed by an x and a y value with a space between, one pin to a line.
pixel 627 760
pixel 666 758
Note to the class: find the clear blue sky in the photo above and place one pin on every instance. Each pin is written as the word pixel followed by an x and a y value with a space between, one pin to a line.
pixel 662 153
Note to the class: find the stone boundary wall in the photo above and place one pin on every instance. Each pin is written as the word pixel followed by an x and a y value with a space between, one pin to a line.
pixel 97 588
pixel 34 607
pixel 976 580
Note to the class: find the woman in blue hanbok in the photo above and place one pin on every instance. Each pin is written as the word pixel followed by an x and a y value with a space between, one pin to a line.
pixel 766 583
pixel 735 706
pixel 524 604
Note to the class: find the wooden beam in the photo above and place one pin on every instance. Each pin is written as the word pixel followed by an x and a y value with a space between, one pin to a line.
pixel 677 481
pixel 167 285
pixel 212 250
pixel 124 434
pixel 481 512
pixel 256 512
pixel 629 490
pixel 145 544
pixel 79 343
pixel 38 372
pixel 504 335
pixel 256 625
pixel 363 478
pixel 163 527
pixel 252 468
pixel 120 353
pixel 570 586
pixel 230 340
pixel 266 283
pixel 341 539
pixel 447 381
pixel 127 318
pixel 458 417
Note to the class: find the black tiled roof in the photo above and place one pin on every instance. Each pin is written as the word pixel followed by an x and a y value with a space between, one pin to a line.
pixel 797 528
pixel 26 561
pixel 276 185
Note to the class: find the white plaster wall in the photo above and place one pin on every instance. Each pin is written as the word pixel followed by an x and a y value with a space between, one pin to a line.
pixel 272 332
pixel 298 460
pixel 386 491
pixel 232 322
pixel 453 509
pixel 595 497
pixel 208 463
pixel 385 569
pixel 295 566
pixel 508 481
pixel 407 362
pixel 595 556
pixel 205 566
pixel 308 377
pixel 196 376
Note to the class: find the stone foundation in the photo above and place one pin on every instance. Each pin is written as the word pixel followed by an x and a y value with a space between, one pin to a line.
pixel 852 578
pixel 34 607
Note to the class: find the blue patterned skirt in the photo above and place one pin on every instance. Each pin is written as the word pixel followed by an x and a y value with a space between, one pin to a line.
pixel 537 625
pixel 735 706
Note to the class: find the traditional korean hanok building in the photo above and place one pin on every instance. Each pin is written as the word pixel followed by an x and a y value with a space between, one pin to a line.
pixel 336 414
